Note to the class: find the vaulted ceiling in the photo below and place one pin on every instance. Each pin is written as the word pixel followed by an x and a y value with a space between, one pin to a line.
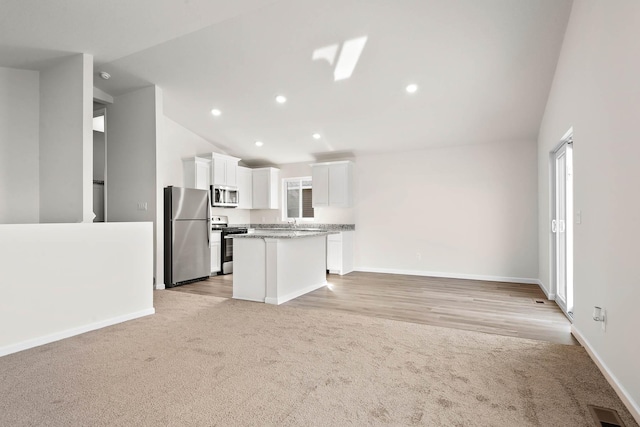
pixel 483 68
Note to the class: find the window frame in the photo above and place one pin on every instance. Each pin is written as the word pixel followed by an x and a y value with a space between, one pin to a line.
pixel 299 179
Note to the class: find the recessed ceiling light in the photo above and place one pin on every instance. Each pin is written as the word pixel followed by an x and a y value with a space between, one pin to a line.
pixel 216 112
pixel 104 75
pixel 281 99
pixel 316 136
pixel 259 143
pixel 412 88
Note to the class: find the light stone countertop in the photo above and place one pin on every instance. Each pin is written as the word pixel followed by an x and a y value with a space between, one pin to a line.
pixel 280 234
pixel 300 226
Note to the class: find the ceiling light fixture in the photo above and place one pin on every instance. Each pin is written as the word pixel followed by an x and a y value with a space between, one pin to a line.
pixel 216 112
pixel 412 88
pixel 259 143
pixel 316 136
pixel 105 75
pixel 281 99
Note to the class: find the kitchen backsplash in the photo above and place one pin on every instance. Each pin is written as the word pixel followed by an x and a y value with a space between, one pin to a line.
pixel 236 216
pixel 322 216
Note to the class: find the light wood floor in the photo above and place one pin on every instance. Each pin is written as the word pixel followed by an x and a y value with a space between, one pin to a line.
pixel 492 307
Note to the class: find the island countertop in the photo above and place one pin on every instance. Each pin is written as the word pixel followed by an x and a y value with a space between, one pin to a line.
pixel 280 234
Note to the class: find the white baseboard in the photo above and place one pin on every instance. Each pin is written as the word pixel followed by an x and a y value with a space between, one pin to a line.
pixel 56 336
pixel 449 275
pixel 631 405
pixel 247 298
pixel 550 296
pixel 296 294
pixel 340 272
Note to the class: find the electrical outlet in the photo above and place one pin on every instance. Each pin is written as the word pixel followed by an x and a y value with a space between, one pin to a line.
pixel 418 256
pixel 579 217
pixel 142 206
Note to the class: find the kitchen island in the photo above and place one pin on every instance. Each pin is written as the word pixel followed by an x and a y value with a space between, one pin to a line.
pixel 275 266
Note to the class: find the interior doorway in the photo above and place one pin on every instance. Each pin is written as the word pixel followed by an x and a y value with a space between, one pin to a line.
pixel 99 164
pixel 562 223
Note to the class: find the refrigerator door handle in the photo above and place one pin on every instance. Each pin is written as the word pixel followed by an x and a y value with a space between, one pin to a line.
pixel 209 221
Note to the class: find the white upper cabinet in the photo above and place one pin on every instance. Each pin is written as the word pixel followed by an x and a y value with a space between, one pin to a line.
pixel 333 184
pixel 245 188
pixel 197 173
pixel 265 188
pixel 224 170
pixel 320 184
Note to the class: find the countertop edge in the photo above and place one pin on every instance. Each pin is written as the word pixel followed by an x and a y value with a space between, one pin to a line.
pixel 328 227
pixel 282 235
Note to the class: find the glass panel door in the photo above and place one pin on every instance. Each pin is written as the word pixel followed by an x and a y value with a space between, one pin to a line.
pixel 562 227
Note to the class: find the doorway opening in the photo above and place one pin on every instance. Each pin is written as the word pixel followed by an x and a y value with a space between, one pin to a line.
pixel 562 223
pixel 99 163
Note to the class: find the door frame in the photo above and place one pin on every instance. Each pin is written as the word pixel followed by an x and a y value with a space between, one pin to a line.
pixel 567 139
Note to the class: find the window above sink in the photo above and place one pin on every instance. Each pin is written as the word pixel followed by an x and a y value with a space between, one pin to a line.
pixel 297 200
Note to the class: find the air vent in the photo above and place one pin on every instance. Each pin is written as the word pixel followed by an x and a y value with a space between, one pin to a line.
pixel 605 417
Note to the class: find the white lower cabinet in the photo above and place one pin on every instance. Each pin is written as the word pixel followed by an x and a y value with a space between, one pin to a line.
pixel 216 244
pixel 340 253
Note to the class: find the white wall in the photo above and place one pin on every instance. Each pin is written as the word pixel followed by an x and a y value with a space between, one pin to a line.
pixel 469 211
pixel 131 156
pixel 19 146
pixel 180 143
pixel 66 141
pixel 133 127
pixel 60 280
pixel 596 91
pixel 321 215
pixel 176 144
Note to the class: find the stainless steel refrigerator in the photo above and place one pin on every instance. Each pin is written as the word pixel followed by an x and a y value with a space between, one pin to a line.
pixel 187 232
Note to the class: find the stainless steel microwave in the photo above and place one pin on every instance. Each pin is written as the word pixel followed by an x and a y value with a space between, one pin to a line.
pixel 224 196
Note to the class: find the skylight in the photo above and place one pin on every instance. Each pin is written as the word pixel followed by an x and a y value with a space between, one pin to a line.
pixel 347 60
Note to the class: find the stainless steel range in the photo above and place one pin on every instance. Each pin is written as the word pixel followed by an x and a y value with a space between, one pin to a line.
pixel 221 223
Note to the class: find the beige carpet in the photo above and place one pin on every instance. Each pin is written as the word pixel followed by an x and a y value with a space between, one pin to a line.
pixel 209 361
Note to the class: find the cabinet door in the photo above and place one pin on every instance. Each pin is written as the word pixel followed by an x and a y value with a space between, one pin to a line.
pixel 320 195
pixel 202 174
pixel 334 255
pixel 216 247
pixel 245 188
pixel 231 176
pixel 215 257
pixel 261 187
pixel 338 182
pixel 219 173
